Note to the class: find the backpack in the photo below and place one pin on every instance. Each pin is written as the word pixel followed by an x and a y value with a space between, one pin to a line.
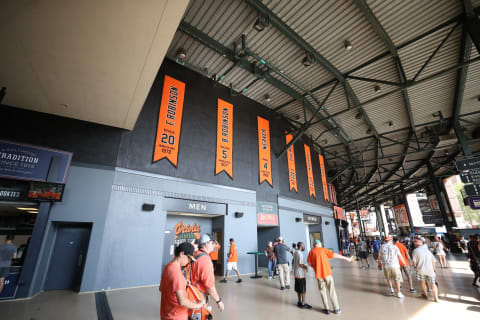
pixel 195 295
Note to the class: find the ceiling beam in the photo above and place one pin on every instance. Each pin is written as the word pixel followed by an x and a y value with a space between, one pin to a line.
pixel 472 22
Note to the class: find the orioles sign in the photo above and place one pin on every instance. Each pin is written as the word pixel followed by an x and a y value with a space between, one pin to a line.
pixel 184 233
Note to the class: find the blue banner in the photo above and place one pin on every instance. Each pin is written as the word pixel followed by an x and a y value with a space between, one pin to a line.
pixel 26 162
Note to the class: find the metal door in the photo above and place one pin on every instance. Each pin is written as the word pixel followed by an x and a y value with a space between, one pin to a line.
pixel 68 257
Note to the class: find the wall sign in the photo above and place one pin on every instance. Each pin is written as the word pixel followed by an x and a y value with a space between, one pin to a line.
pixel 401 215
pixel 474 202
pixel 338 213
pixel 169 121
pixel 432 217
pixel 364 214
pixel 267 213
pixel 13 190
pixel 45 191
pixel 292 172
pixel 264 156
pixel 308 218
pixel 267 219
pixel 224 158
pixel 26 162
pixel 192 206
pixel 311 183
pixel 324 177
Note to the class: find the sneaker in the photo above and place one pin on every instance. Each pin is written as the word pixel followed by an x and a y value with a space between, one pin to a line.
pixel 287 287
pixel 238 281
pixel 282 288
pixel 413 290
pixel 270 278
pixel 423 296
pixel 300 305
pixel 326 311
pixel 273 278
pixel 307 306
pixel 391 293
pixel 223 281
pixel 337 311
pixel 400 295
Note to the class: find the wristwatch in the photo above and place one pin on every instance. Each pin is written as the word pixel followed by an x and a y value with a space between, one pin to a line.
pixel 219 300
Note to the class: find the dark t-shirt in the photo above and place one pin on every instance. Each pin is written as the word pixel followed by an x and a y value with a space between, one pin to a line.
pixel 281 251
pixel 7 251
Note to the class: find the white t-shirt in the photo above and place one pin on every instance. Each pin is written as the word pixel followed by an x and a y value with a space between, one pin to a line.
pixel 423 259
pixel 390 255
pixel 298 259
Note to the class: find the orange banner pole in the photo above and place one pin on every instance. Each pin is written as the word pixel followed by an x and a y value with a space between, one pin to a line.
pixel 324 177
pixel 224 158
pixel 264 156
pixel 311 183
pixel 169 121
pixel 292 172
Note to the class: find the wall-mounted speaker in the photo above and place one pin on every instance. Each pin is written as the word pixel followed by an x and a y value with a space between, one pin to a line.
pixel 238 214
pixel 148 207
pixel 327 223
pixel 298 219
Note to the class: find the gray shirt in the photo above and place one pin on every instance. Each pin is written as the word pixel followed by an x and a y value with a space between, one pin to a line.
pixel 7 251
pixel 423 259
pixel 281 251
pixel 298 259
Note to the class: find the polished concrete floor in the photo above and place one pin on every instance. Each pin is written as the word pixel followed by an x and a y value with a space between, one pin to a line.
pixel 362 295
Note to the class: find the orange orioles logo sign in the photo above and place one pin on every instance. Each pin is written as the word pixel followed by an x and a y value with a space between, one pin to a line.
pixel 169 121
pixel 184 233
pixel 224 160
pixel 264 156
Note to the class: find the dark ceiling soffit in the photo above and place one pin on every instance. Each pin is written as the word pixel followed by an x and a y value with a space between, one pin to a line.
pixel 472 22
pixel 305 46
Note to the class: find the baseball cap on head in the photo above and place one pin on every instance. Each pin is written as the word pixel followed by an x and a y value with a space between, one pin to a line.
pixel 280 238
pixel 317 241
pixel 417 237
pixel 187 249
pixel 388 238
pixel 205 238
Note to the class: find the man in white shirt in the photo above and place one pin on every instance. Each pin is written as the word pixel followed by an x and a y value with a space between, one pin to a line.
pixel 389 257
pixel 424 263
pixel 299 271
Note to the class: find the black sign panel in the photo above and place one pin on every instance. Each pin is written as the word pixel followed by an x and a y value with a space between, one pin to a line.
pixel 13 190
pixel 46 191
pixel 468 164
pixel 308 218
pixel 432 217
pixel 472 189
pixel 193 206
pixel 470 176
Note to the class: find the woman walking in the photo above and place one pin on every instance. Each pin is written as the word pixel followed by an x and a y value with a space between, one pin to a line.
pixel 439 251
pixel 272 260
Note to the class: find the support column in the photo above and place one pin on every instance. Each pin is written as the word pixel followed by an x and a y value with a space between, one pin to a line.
pixel 409 214
pixel 360 226
pixel 436 189
pixel 381 227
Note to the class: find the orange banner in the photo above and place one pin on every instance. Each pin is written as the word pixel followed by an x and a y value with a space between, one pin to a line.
pixel 324 178
pixel 311 183
pixel 292 173
pixel 224 160
pixel 264 157
pixel 169 121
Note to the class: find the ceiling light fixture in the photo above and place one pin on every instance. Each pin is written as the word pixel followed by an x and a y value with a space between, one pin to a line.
pixel 369 130
pixel 347 45
pixel 26 209
pixel 261 23
pixel 268 98
pixel 325 141
pixel 377 88
pixel 358 116
pixel 308 60
pixel 181 55
pixel 390 123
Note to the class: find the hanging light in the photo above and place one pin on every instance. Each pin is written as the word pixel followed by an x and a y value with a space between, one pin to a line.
pixel 347 45
pixel 181 55
pixel 377 88
pixel 268 98
pixel 308 60
pixel 358 116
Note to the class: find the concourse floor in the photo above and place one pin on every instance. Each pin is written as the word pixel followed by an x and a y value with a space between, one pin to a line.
pixel 362 295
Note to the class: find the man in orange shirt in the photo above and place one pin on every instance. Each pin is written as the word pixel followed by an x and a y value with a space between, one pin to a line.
pixel 201 273
pixel 318 259
pixel 174 303
pixel 405 267
pixel 232 261
pixel 214 254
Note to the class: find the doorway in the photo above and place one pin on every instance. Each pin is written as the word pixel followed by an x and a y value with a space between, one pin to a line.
pixel 68 257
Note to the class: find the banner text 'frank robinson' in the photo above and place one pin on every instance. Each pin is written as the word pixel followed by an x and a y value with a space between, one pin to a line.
pixel 264 156
pixel 324 177
pixel 224 158
pixel 169 121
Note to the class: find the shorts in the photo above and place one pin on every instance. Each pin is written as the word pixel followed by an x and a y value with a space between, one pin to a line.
pixel 363 254
pixel 232 266
pixel 4 272
pixel 375 255
pixel 300 285
pixel 424 277
pixel 393 274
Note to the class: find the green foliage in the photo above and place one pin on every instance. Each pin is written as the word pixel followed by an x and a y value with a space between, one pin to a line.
pixel 470 215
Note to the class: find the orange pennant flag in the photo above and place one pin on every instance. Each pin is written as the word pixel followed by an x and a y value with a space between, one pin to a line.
pixel 169 121
pixel 224 161
pixel 264 157
pixel 311 183
pixel 324 177
pixel 292 173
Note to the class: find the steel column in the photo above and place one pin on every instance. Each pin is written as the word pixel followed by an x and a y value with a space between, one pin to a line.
pixel 437 189
pixel 360 225
pixel 381 227
pixel 407 207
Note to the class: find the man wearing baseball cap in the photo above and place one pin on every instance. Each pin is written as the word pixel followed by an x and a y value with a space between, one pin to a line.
pixel 202 275
pixel 424 263
pixel 174 303
pixel 389 257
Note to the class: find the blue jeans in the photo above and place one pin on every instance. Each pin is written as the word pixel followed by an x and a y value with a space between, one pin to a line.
pixel 272 265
